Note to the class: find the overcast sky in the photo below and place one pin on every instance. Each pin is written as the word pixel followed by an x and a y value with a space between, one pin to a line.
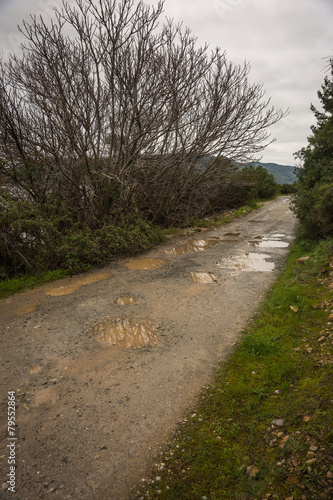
pixel 285 41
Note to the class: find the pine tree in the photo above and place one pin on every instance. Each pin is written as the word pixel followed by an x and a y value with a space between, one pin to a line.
pixel 313 202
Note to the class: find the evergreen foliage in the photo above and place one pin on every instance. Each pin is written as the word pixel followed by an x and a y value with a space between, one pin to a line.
pixel 313 202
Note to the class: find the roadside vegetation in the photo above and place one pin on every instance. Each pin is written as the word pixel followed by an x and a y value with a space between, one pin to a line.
pixel 263 428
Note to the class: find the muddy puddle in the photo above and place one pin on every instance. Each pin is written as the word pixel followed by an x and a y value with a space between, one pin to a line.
pixel 145 264
pixel 20 311
pixel 247 262
pixel 194 246
pixel 126 333
pixel 34 369
pixel 125 300
pixel 203 278
pixel 75 284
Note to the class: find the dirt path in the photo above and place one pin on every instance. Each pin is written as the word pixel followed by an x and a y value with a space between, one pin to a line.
pixel 105 364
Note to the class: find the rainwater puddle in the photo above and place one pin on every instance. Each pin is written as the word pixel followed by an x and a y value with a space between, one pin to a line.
pixel 194 246
pixel 124 332
pixel 203 278
pixel 75 284
pixel 145 264
pixel 42 396
pixel 34 369
pixel 125 300
pixel 26 309
pixel 247 262
pixel 267 243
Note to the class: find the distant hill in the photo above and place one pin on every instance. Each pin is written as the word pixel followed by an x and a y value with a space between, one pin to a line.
pixel 284 174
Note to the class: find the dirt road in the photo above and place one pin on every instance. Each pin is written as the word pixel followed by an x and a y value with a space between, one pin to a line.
pixel 104 365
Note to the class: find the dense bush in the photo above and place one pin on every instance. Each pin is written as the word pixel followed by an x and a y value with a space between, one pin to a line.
pixel 33 239
pixel 313 202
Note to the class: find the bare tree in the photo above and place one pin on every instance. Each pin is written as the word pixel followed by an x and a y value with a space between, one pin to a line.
pixel 107 109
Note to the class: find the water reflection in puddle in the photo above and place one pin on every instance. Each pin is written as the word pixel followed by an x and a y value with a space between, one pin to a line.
pixel 34 369
pixel 247 262
pixel 194 246
pixel 75 284
pixel 145 264
pixel 125 300
pixel 124 332
pixel 203 278
pixel 268 243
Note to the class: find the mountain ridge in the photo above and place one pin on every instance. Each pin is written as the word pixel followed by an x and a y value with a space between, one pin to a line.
pixel 284 174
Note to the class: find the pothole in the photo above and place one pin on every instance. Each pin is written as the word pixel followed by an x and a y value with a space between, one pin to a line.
pixel 125 300
pixel 145 264
pixel 194 246
pixel 203 278
pixel 269 243
pixel 75 284
pixel 125 332
pixel 26 309
pixel 247 262
pixel 34 369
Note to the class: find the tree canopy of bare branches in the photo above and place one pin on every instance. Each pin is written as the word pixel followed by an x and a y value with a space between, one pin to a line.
pixel 108 109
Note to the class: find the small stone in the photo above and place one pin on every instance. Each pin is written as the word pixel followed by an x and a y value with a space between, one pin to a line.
pixel 252 470
pixel 278 422
pixel 158 478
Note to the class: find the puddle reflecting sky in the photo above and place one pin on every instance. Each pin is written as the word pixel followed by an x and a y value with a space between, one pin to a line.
pixel 124 332
pixel 247 262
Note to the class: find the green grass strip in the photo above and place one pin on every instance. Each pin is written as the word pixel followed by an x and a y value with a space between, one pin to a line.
pixel 264 427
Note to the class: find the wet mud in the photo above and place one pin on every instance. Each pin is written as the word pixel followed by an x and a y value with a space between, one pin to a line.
pixel 76 283
pixel 193 246
pixel 145 264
